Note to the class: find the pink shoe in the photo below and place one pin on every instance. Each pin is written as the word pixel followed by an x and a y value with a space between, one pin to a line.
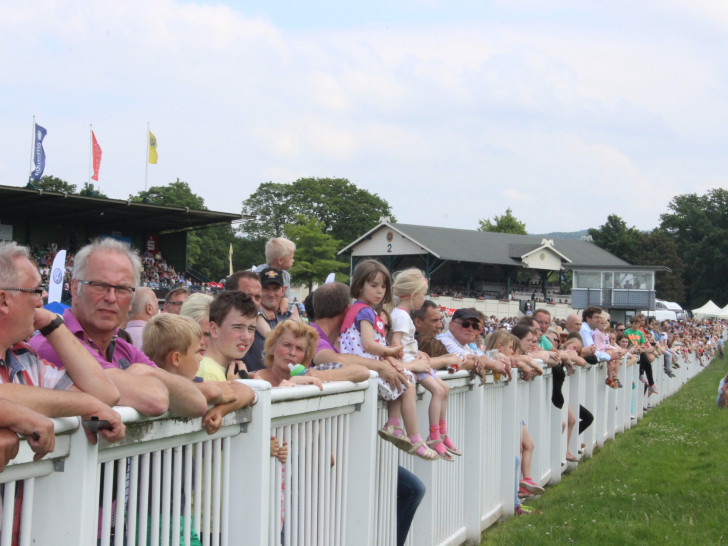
pixel 532 486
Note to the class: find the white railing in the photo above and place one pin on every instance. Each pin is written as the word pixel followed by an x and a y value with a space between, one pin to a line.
pixel 168 482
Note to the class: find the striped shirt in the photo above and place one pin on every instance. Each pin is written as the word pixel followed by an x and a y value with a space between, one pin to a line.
pixel 21 365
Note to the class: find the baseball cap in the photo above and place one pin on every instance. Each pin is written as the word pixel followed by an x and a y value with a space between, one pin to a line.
pixel 270 275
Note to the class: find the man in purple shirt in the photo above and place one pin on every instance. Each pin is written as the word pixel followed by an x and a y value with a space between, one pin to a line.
pixel 105 275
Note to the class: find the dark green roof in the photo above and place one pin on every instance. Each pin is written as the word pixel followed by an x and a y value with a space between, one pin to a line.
pixel 465 245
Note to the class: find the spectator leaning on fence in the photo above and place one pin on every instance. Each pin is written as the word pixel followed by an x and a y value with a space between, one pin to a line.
pixel 104 280
pixel 174 345
pixel 232 328
pixel 32 382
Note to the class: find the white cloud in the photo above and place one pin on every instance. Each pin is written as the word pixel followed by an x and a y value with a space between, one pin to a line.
pixel 566 113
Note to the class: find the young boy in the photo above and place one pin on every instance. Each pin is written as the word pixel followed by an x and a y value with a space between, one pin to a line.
pixel 173 344
pixel 232 329
pixel 279 255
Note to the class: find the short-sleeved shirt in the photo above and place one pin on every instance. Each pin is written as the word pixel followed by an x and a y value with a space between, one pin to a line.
pixel 350 340
pixel 210 370
pixel 323 341
pixel 545 343
pixel 635 336
pixel 21 365
pixel 120 354
pixel 402 322
pixel 454 347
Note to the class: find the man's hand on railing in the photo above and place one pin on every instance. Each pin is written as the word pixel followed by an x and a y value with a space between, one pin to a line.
pixel 9 444
pixel 36 428
pixel 117 428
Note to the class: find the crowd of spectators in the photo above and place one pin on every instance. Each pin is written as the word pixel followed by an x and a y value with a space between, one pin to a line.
pixel 190 355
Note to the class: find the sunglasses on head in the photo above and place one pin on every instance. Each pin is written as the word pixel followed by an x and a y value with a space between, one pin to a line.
pixel 474 324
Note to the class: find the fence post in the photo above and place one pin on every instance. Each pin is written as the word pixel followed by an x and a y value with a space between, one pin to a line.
pixel 511 437
pixel 474 431
pixel 361 478
pixel 72 522
pixel 249 474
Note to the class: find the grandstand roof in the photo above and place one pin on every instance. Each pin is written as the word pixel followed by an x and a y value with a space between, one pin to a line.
pixel 106 213
pixel 464 245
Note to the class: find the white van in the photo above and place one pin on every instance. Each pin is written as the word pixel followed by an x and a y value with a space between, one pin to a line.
pixel 666 310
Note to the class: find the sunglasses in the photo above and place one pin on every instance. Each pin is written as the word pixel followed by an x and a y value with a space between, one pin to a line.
pixel 621 329
pixel 475 325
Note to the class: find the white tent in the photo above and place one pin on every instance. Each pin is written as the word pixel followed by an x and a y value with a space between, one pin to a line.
pixel 707 311
pixel 724 312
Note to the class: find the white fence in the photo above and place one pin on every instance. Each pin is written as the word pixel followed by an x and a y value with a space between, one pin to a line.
pixel 168 482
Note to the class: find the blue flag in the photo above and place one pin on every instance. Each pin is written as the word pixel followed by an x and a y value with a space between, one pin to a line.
pixel 38 153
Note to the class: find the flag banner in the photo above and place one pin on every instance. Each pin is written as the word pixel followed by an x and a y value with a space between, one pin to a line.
pixel 152 148
pixel 58 271
pixel 97 157
pixel 230 258
pixel 38 153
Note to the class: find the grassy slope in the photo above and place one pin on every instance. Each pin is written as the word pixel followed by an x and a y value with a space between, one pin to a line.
pixel 665 481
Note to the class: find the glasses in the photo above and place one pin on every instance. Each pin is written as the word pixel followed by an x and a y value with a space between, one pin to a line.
pixel 621 329
pixel 102 288
pixel 170 302
pixel 475 325
pixel 37 292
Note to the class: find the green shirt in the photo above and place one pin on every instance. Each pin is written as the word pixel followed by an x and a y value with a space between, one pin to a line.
pixel 635 336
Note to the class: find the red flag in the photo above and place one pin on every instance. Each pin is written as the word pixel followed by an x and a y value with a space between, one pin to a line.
pixel 97 157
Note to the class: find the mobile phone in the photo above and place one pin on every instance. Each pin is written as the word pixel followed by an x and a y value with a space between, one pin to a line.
pixel 95 424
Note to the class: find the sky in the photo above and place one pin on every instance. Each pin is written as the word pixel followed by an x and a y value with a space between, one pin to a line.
pixel 452 111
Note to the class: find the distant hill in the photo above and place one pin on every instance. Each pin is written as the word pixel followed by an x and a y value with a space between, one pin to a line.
pixel 563 234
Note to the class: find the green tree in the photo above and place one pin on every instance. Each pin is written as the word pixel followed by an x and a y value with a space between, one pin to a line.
pixel 90 191
pixel 614 236
pixel 52 183
pixel 315 251
pixel 660 248
pixel 506 223
pixel 699 225
pixel 346 211
pixel 644 248
pixel 207 248
pixel 174 194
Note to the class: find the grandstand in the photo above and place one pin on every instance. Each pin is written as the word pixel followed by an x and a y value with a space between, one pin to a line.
pixel 33 217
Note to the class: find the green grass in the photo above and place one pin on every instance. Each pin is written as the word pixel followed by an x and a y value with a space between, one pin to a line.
pixel 665 481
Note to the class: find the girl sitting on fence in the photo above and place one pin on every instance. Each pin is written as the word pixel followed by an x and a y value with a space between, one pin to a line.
pixel 409 290
pixel 363 334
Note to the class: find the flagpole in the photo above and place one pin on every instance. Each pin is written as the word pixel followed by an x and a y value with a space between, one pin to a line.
pixel 146 164
pixel 32 146
pixel 91 151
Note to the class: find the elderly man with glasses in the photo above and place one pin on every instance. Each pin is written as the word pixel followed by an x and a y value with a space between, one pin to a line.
pixel 105 276
pixel 460 340
pixel 27 381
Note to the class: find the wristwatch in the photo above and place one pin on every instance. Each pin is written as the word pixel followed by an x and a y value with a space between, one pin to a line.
pixel 51 327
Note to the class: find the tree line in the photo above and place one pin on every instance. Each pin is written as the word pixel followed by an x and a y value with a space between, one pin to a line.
pixel 321 215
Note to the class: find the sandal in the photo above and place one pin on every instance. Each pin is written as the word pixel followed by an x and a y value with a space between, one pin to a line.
pixel 395 435
pixel 444 455
pixel 428 454
pixel 452 449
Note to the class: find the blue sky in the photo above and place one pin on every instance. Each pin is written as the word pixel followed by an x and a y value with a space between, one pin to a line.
pixel 564 111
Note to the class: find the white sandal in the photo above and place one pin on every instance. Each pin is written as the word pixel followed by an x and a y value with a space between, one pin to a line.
pixel 400 441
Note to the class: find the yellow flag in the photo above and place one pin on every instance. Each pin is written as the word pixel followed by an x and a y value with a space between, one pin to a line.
pixel 152 148
pixel 230 257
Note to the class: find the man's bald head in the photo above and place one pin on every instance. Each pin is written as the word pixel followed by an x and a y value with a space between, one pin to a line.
pixel 573 323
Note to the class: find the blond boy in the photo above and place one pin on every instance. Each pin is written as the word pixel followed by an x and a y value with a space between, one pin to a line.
pixel 173 344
